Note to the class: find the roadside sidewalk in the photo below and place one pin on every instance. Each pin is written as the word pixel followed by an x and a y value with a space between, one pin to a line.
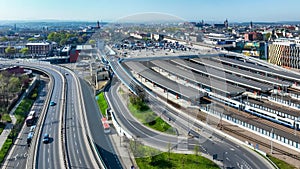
pixel 121 147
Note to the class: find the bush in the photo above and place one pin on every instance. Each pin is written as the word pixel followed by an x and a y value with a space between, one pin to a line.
pixel 23 109
pixel 102 103
pixel 5 149
pixel 5 117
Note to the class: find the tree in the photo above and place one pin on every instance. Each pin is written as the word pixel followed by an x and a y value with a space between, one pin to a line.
pixel 141 93
pixel 14 84
pixel 3 39
pixel 31 39
pixel 169 146
pixel 92 42
pixel 10 50
pixel 268 35
pixel 196 150
pixel 62 42
pixel 24 51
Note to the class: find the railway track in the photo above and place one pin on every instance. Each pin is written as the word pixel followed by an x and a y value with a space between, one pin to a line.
pixel 237 133
pixel 267 123
pixel 266 145
pixel 202 116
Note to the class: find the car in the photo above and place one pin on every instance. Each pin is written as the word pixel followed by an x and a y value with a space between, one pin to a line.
pixel 46 138
pixel 66 74
pixel 52 103
pixel 32 128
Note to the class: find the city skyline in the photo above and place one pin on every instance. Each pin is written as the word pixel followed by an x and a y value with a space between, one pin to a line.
pixel 104 10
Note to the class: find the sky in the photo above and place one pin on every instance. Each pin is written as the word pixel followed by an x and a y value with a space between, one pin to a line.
pixel 189 10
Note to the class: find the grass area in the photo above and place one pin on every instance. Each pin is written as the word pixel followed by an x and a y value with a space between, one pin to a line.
pixel 5 148
pixel 280 163
pixel 150 158
pixel 25 106
pixel 22 110
pixel 102 103
pixel 6 118
pixel 175 161
pixel 146 116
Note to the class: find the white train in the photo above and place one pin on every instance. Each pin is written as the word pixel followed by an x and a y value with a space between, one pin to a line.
pixel 257 112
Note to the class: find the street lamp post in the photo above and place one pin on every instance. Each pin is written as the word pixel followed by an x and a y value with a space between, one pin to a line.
pixel 272 141
pixel 224 159
pixel 295 124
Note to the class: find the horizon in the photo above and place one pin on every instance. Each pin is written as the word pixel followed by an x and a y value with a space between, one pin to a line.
pixel 109 21
pixel 108 11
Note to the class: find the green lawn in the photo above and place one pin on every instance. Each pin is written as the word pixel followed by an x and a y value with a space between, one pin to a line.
pixel 150 158
pixel 4 149
pixel 102 103
pixel 281 164
pixel 150 119
pixel 186 161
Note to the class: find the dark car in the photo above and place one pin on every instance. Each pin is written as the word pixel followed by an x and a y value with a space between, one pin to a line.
pixel 46 138
pixel 52 103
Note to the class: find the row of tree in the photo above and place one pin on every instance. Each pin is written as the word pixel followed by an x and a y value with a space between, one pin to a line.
pixel 10 86
pixel 11 50
pixel 63 38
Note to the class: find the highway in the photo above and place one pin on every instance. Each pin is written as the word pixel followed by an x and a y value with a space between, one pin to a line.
pixel 49 155
pixel 19 152
pixel 78 153
pixel 100 139
pixel 77 149
pixel 234 155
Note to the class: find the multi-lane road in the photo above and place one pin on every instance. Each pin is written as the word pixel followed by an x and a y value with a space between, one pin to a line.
pixel 68 145
pixel 234 155
pixel 19 153
pixel 77 149
pixel 64 123
pixel 50 155
pixel 101 140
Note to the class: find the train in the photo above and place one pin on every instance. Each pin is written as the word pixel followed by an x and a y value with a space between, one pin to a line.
pixel 257 112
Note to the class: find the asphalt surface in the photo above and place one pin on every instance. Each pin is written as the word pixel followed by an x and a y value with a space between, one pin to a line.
pixel 48 155
pixel 230 153
pixel 19 155
pixel 100 139
pixel 235 155
pixel 76 148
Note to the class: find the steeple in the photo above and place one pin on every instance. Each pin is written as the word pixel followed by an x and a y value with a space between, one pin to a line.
pixel 226 23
